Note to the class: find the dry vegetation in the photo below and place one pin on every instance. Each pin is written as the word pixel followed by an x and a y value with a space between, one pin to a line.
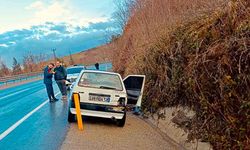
pixel 99 54
pixel 197 54
pixel 30 63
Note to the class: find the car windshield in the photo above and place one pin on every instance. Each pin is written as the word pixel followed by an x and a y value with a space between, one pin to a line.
pixel 74 70
pixel 101 80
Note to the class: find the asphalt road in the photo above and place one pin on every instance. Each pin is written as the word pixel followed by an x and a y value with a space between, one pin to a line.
pixel 28 121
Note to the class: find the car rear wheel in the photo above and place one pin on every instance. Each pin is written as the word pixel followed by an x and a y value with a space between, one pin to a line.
pixel 121 122
pixel 71 117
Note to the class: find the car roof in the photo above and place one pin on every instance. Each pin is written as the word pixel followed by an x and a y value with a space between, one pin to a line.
pixel 72 67
pixel 99 71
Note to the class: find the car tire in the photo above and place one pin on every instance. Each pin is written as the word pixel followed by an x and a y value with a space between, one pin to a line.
pixel 121 122
pixel 71 117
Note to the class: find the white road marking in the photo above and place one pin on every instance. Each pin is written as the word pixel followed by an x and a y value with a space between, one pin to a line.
pixel 14 93
pixel 14 126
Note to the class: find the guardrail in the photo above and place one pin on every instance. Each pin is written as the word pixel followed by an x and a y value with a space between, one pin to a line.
pixel 102 66
pixel 17 78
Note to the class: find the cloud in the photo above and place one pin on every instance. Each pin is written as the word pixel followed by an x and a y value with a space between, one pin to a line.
pixel 38 5
pixel 62 36
pixel 4 45
pixel 36 12
pixel 61 11
pixel 55 11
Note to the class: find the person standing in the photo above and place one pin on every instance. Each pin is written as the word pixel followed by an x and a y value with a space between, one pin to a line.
pixel 60 78
pixel 48 74
pixel 97 66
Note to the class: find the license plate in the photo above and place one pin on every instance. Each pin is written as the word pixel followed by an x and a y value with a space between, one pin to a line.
pixel 99 98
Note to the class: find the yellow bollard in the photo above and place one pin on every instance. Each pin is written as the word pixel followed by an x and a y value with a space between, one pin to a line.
pixel 78 111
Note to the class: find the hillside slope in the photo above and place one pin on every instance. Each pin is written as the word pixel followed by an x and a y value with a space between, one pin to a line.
pixel 195 54
pixel 99 54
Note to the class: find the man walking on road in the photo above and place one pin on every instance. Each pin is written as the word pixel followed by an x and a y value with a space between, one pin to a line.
pixel 48 74
pixel 60 77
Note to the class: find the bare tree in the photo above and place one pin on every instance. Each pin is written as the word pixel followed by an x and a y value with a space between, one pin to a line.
pixel 122 12
pixel 29 62
pixel 16 67
pixel 4 70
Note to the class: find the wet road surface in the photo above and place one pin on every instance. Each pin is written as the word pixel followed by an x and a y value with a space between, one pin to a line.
pixel 28 121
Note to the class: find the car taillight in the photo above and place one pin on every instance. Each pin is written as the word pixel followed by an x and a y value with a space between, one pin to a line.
pixel 121 101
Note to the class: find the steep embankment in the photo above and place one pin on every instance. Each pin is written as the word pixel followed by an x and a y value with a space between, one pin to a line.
pixel 99 54
pixel 194 54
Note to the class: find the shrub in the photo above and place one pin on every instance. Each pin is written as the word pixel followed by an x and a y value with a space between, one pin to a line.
pixel 202 63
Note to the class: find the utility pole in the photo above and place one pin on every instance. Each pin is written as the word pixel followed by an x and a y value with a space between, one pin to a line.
pixel 54 53
pixel 71 60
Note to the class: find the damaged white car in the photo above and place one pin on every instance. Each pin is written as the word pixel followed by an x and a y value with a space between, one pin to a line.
pixel 106 95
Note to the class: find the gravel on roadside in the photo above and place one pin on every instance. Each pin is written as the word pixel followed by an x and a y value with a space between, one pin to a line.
pixel 103 134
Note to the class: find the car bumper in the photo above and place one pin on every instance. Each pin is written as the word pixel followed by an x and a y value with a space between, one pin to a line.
pixel 103 111
pixel 101 114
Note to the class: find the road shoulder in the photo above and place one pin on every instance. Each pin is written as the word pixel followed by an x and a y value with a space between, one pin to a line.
pixel 104 134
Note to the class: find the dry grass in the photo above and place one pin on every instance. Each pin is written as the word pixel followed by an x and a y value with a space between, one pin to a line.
pixel 150 20
pixel 194 54
pixel 99 54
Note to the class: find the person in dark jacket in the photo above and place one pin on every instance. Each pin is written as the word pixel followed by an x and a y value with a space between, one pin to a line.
pixel 60 78
pixel 97 66
pixel 48 74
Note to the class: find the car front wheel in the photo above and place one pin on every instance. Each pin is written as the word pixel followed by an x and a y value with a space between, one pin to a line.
pixel 121 122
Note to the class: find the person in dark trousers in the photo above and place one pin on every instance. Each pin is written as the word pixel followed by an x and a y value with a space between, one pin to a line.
pixel 97 66
pixel 48 74
pixel 60 78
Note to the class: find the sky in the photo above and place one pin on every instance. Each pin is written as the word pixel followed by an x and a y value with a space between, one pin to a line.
pixel 37 26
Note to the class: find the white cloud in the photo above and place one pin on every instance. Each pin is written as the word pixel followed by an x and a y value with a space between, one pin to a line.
pixel 36 5
pixel 12 42
pixel 55 11
pixel 60 11
pixel 4 45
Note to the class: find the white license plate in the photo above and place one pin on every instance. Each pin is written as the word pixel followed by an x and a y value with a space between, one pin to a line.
pixel 99 98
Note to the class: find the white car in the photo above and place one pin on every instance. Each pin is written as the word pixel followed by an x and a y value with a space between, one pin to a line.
pixel 106 95
pixel 72 74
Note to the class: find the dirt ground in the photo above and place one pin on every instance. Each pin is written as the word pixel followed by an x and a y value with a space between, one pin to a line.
pixel 103 134
pixel 167 127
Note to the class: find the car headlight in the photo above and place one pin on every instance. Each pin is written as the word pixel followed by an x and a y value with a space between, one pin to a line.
pixel 121 101
pixel 72 80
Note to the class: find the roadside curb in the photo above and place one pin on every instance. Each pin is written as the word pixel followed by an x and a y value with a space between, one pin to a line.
pixel 164 135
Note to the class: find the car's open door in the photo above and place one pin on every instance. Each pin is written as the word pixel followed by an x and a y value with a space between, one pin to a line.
pixel 134 85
